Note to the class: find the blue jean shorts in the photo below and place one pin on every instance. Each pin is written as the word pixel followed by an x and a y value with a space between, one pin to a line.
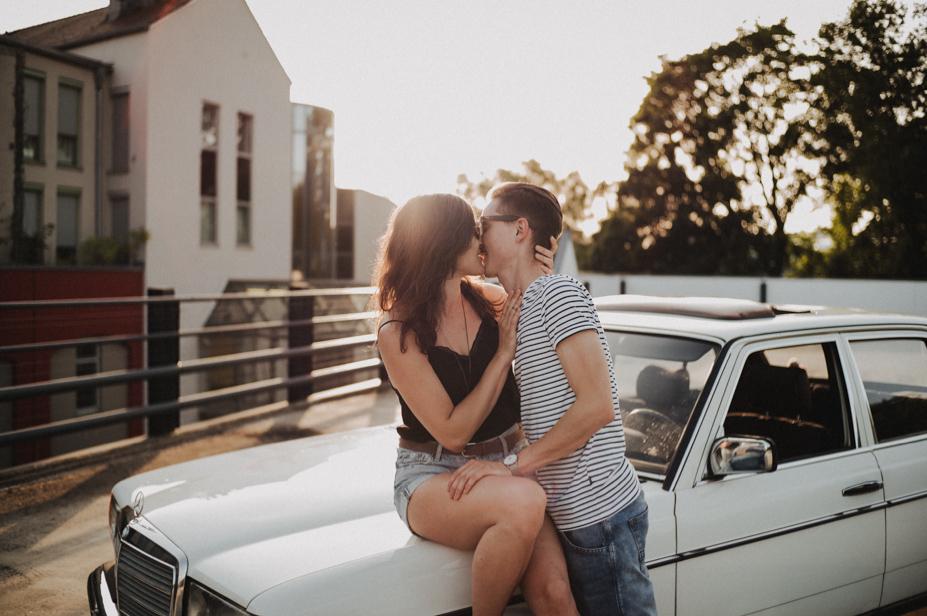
pixel 413 468
pixel 606 564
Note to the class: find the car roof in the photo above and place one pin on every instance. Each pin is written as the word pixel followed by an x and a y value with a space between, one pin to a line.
pixel 729 318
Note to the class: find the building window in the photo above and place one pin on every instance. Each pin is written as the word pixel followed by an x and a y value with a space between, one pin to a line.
pixel 243 191
pixel 28 230
pixel 32 213
pixel 68 124
pixel 67 228
pixel 88 362
pixel 121 132
pixel 34 116
pixel 208 174
pixel 119 205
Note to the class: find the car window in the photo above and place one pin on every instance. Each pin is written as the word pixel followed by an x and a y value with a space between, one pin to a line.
pixel 794 397
pixel 894 373
pixel 659 379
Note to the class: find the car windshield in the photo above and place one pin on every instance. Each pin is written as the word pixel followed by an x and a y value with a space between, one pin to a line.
pixel 659 380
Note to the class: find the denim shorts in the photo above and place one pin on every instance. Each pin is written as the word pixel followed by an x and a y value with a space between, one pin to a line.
pixel 414 468
pixel 606 564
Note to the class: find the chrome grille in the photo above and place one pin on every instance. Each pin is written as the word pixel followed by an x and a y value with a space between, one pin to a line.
pixel 144 584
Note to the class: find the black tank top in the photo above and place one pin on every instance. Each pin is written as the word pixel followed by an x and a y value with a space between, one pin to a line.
pixel 452 369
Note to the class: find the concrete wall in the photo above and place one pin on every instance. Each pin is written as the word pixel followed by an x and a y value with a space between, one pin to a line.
pixel 895 296
pixel 371 215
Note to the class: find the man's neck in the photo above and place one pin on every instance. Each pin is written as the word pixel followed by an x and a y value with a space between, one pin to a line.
pixel 520 276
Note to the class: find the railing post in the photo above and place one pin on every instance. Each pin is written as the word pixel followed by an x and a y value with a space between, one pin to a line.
pixel 163 317
pixel 301 308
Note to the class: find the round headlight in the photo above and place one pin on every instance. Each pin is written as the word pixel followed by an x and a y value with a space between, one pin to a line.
pixel 203 602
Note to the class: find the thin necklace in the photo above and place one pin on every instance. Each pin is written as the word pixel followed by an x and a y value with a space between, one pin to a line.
pixel 466 375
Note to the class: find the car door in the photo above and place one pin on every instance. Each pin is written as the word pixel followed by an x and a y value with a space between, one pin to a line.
pixel 801 539
pixel 893 376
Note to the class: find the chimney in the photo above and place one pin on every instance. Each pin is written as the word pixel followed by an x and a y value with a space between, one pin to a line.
pixel 120 8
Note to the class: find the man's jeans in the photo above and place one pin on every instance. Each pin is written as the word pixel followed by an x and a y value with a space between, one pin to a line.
pixel 606 564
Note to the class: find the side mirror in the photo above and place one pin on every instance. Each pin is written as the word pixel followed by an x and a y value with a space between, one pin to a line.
pixel 734 455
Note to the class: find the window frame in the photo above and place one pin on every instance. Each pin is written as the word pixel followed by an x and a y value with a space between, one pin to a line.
pixel 244 157
pixel 35 189
pixel 94 362
pixel 64 191
pixel 121 140
pixel 867 417
pixel 209 210
pixel 120 198
pixel 75 139
pixel 40 78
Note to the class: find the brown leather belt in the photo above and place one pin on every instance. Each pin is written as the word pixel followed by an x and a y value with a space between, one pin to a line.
pixel 512 436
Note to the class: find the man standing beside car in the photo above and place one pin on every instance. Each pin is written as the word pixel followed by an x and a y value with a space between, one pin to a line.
pixel 569 410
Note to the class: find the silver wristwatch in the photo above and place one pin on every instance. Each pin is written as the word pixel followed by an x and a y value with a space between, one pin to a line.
pixel 511 463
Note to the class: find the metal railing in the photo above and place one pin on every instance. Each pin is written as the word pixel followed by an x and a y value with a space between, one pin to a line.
pixel 324 338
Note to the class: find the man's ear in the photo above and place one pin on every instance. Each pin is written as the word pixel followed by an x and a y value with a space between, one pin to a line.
pixel 521 230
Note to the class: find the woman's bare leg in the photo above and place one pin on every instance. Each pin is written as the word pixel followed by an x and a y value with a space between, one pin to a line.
pixel 546 585
pixel 499 519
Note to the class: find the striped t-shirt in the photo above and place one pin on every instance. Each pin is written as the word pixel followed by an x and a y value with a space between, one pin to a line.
pixel 595 481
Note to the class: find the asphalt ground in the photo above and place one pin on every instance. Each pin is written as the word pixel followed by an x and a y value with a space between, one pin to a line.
pixel 53 514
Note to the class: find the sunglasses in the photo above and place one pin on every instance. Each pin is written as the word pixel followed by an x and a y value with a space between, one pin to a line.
pixel 481 224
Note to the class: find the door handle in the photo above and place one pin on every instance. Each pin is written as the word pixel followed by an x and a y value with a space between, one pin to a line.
pixel 863 488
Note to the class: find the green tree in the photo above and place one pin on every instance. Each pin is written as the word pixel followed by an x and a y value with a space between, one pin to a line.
pixel 719 160
pixel 575 197
pixel 871 109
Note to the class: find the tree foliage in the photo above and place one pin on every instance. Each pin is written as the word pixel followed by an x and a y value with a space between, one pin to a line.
pixel 575 197
pixel 718 162
pixel 870 110
pixel 728 141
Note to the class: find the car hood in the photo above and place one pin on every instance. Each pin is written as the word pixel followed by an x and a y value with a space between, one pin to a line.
pixel 270 526
pixel 251 519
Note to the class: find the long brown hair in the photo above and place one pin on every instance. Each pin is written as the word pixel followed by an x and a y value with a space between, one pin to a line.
pixel 417 254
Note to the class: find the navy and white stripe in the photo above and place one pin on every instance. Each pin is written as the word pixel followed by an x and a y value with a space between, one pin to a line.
pixel 596 481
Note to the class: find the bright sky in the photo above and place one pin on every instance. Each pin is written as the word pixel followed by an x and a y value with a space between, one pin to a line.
pixel 424 90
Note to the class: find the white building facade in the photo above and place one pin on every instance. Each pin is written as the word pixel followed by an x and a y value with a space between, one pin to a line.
pixel 204 103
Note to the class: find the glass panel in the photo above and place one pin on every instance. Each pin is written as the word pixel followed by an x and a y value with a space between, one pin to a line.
pixel 32 212
pixel 210 126
pixel 659 378
pixel 67 220
pixel 207 222
pixel 793 397
pixel 244 133
pixel 243 225
pixel 68 123
pixel 68 110
pixel 67 150
pixel 86 351
pixel 244 179
pixel 120 218
pixel 207 173
pixel 32 121
pixel 121 133
pixel 894 373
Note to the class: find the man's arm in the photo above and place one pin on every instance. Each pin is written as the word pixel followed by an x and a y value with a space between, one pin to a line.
pixel 586 368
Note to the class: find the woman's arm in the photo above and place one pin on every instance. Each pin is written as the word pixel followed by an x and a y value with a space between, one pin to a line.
pixel 416 381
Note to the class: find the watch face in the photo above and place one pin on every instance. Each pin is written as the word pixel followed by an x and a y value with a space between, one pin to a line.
pixel 510 459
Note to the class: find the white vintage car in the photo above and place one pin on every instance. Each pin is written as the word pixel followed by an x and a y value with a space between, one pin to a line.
pixel 782 451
